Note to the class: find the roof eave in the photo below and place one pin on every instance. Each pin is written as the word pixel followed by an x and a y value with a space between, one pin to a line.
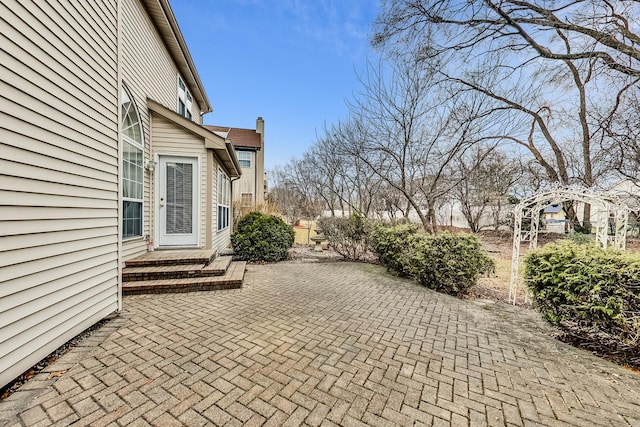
pixel 165 21
pixel 221 147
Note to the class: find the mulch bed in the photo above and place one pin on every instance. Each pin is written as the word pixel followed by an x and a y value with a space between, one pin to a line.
pixel 603 346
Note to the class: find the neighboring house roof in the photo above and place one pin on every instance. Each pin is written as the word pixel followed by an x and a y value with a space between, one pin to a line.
pixel 553 209
pixel 240 138
pixel 165 21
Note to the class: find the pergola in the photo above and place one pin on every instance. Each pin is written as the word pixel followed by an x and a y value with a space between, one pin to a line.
pixel 610 224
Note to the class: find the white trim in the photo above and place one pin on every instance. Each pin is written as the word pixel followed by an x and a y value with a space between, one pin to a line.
pixel 119 57
pixel 227 190
pixel 184 98
pixel 193 239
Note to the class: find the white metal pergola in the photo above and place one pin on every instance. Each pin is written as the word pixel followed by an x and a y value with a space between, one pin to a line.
pixel 609 212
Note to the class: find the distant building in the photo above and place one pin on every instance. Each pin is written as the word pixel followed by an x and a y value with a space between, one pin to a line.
pixel 555 219
pixel 248 192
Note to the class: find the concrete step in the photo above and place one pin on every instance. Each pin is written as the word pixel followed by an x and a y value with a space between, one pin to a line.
pixel 232 279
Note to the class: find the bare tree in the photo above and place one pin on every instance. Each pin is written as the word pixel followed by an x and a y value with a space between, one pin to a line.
pixel 623 132
pixel 600 31
pixel 557 69
pixel 406 133
pixel 349 186
pixel 486 178
pixel 291 191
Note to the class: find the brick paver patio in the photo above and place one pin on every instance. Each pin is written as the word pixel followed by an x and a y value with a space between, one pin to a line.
pixel 325 344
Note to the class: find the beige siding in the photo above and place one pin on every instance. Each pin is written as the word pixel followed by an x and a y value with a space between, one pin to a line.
pixel 252 179
pixel 148 72
pixel 58 175
pixel 221 240
pixel 172 140
pixel 247 181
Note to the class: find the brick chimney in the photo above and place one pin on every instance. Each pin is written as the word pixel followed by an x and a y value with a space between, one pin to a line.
pixel 260 128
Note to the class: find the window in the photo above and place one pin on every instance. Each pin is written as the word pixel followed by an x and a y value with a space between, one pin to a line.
pixel 185 101
pixel 224 200
pixel 132 168
pixel 244 158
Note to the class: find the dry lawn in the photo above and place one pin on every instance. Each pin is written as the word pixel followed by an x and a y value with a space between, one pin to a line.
pixel 499 245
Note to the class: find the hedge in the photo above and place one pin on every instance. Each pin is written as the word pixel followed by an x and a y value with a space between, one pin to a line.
pixel 586 290
pixel 448 263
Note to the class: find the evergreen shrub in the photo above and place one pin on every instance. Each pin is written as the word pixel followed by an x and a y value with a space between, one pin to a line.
pixel 587 291
pixel 391 245
pixel 262 237
pixel 448 263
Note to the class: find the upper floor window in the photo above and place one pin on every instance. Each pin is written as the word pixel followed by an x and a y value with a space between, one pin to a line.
pixel 132 167
pixel 244 158
pixel 185 101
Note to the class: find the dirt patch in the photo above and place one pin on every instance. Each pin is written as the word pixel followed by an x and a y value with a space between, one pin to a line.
pixel 306 253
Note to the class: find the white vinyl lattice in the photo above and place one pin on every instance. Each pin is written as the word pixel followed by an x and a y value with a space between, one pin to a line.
pixel 610 225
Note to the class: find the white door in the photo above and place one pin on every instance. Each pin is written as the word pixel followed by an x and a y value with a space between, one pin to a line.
pixel 178 201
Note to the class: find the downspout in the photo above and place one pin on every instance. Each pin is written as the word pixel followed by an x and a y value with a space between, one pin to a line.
pixel 233 226
pixel 119 145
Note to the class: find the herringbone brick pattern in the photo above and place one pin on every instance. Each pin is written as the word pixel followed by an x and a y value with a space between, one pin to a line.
pixel 330 344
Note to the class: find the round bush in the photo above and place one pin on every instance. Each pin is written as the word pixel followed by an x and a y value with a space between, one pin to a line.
pixel 262 237
pixel 448 263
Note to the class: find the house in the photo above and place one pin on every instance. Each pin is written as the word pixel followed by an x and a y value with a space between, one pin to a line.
pixel 103 156
pixel 628 192
pixel 554 218
pixel 249 190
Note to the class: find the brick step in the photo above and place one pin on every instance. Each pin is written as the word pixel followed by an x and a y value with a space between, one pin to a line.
pixel 218 267
pixel 163 272
pixel 232 279
pixel 185 257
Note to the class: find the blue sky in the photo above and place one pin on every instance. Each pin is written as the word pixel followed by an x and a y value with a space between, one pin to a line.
pixel 293 62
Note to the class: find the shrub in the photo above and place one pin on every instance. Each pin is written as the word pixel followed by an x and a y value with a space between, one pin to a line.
pixel 390 244
pixel 446 263
pixel 449 263
pixel 581 238
pixel 262 237
pixel 586 290
pixel 347 236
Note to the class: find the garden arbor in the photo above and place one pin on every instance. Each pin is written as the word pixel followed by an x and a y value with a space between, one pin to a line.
pixel 611 217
